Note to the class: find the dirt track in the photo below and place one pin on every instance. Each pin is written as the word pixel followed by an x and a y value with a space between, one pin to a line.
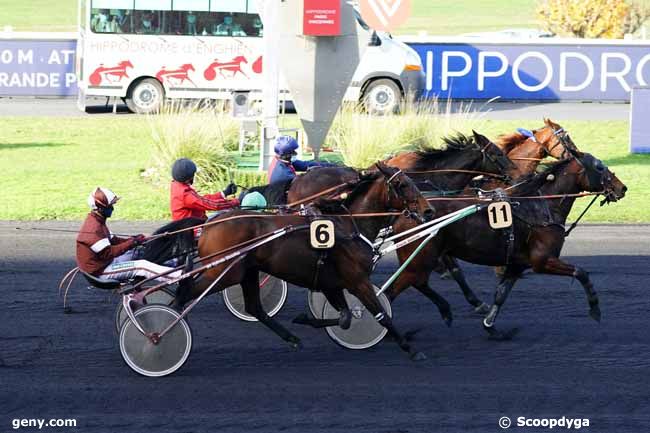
pixel 241 378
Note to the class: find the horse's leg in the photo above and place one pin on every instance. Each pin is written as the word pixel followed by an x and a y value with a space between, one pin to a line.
pixel 500 295
pixel 457 274
pixel 253 306
pixel 555 266
pixel 337 299
pixel 418 277
pixel 366 294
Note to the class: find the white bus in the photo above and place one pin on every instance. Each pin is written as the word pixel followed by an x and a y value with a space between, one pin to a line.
pixel 147 50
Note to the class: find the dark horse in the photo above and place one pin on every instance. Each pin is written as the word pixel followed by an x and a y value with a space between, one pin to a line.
pixel 346 266
pixel 468 154
pixel 538 231
pixel 175 247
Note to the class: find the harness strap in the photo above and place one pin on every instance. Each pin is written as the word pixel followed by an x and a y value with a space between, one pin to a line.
pixel 318 194
pixel 575 223
pixel 452 170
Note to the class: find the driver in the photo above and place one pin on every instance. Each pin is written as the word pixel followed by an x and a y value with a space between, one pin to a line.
pixel 186 202
pixel 102 254
pixel 285 165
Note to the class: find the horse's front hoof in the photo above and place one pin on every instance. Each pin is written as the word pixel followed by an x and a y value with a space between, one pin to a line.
pixel 594 313
pixel 418 356
pixel 483 308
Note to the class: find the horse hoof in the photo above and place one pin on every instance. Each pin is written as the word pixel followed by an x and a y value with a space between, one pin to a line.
pixel 418 356
pixel 594 313
pixel 67 310
pixel 301 319
pixel 482 309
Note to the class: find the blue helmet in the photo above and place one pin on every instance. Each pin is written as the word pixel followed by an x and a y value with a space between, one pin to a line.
pixel 285 145
pixel 183 170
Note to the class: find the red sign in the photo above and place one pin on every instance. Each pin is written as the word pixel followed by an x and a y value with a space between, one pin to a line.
pixel 322 18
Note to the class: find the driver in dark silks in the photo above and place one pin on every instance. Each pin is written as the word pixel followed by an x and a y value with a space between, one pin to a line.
pixel 104 255
pixel 285 164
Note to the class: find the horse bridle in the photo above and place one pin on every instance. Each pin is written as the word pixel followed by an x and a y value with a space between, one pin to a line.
pixel 407 211
pixel 494 160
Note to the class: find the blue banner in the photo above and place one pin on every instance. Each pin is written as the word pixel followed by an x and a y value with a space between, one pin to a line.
pixel 585 72
pixel 37 68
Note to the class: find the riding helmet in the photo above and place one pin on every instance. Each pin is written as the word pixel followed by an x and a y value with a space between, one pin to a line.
pixel 102 198
pixel 183 170
pixel 285 145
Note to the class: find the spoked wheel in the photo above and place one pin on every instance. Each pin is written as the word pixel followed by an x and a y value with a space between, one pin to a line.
pixel 364 331
pixel 168 354
pixel 316 302
pixel 163 296
pixel 273 293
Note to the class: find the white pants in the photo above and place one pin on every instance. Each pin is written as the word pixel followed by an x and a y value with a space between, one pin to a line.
pixel 124 268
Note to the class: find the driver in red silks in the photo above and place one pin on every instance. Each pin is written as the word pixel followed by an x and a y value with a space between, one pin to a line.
pixel 186 202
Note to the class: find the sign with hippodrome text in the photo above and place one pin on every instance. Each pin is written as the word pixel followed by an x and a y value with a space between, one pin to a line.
pixel 321 18
pixel 385 15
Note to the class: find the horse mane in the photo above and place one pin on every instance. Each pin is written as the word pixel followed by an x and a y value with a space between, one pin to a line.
pixel 508 142
pixel 454 144
pixel 531 183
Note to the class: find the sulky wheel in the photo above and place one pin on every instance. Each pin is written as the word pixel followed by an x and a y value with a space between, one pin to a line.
pixel 316 302
pixel 364 331
pixel 170 352
pixel 163 296
pixel 273 293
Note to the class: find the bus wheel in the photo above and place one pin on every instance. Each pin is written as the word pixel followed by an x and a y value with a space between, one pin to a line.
pixel 382 97
pixel 146 96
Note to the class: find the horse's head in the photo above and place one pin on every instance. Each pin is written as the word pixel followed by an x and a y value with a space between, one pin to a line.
pixel 494 160
pixel 400 192
pixel 555 139
pixel 240 59
pixel 188 67
pixel 595 176
pixel 126 64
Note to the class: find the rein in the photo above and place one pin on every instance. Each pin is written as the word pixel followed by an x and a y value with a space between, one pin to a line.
pixel 537 197
pixel 452 170
pixel 317 195
pixel 575 223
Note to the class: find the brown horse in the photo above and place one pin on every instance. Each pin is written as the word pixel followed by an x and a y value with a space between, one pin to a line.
pixel 537 235
pixel 347 265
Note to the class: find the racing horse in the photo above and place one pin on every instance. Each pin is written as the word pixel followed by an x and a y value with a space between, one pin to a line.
pixel 443 171
pixel 383 193
pixel 538 233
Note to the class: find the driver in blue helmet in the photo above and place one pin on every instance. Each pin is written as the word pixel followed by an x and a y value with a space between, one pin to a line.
pixel 285 165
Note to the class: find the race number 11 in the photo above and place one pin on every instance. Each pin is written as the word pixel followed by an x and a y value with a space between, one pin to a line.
pixel 500 215
pixel 321 234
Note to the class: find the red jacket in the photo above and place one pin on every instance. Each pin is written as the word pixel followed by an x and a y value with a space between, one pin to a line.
pixel 186 202
pixel 96 246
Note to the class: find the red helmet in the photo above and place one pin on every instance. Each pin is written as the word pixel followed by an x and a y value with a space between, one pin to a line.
pixel 102 198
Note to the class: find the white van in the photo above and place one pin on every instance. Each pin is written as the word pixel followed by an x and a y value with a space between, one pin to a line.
pixel 147 50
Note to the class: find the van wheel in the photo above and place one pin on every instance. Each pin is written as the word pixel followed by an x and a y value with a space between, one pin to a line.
pixel 382 97
pixel 146 96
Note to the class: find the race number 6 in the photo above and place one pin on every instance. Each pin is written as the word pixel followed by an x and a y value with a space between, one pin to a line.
pixel 500 215
pixel 322 234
